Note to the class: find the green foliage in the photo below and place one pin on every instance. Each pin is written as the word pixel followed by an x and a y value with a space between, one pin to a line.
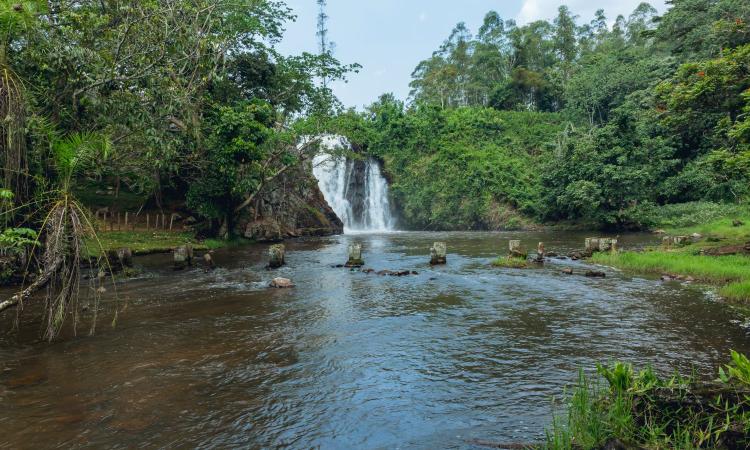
pixel 738 370
pixel 466 168
pixel 642 410
pixel 237 150
pixel 18 239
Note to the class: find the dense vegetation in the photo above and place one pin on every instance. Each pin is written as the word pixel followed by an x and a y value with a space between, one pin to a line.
pixel 186 99
pixel 564 121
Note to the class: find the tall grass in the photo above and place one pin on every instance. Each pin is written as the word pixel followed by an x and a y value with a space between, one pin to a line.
pixel 620 407
pixel 734 271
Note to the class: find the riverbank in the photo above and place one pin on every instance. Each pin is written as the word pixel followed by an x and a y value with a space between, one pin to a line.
pixel 153 242
pixel 621 408
pixel 717 253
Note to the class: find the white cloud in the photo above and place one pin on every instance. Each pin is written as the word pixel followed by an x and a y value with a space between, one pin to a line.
pixel 532 10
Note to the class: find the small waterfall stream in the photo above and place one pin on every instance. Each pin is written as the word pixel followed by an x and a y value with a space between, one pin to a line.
pixel 355 189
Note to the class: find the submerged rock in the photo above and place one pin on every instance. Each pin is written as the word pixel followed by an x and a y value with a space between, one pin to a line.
pixel 282 283
pixel 595 274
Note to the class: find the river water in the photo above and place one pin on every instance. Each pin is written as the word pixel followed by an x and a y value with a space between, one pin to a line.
pixel 349 360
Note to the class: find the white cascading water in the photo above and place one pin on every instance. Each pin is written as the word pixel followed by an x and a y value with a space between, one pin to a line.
pixel 356 190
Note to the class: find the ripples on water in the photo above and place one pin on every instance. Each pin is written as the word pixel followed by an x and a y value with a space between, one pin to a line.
pixel 349 360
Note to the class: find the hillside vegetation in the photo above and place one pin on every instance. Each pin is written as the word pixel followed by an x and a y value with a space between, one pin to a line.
pixel 570 121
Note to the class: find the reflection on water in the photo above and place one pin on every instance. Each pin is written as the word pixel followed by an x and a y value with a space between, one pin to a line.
pixel 349 360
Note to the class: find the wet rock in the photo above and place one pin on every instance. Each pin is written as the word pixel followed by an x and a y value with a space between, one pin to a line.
pixel 208 260
pixel 276 256
pixel 368 271
pixel 282 283
pixel 355 256
pixel 516 249
pixel 553 255
pixel 568 271
pixel 696 236
pixel 595 274
pixel 438 254
pixel 264 231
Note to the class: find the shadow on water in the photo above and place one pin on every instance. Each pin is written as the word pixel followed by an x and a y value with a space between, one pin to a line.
pixel 349 360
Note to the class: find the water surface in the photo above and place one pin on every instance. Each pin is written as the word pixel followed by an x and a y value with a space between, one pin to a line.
pixel 350 360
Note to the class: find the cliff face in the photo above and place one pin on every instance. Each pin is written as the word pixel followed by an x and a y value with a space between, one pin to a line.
pixel 292 206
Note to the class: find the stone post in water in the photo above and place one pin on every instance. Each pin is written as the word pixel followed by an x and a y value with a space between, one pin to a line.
pixel 607 245
pixel 355 256
pixel 438 254
pixel 540 253
pixel 516 249
pixel 591 245
pixel 182 256
pixel 276 256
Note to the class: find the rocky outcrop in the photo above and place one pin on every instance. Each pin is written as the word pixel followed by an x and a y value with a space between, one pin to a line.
pixel 292 206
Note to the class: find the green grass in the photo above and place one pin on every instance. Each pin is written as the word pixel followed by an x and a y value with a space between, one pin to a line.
pixel 143 242
pixel 731 271
pixel 695 215
pixel 642 410
pixel 510 263
pixel 146 242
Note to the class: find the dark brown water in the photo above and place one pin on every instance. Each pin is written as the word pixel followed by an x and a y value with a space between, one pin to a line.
pixel 349 360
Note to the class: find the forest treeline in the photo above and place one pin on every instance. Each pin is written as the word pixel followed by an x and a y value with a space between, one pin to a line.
pixel 597 121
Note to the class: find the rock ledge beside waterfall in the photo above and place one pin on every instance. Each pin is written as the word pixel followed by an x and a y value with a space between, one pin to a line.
pixel 293 206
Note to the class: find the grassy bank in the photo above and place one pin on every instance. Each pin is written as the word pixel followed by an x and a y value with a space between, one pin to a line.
pixel 719 228
pixel 150 242
pixel 622 408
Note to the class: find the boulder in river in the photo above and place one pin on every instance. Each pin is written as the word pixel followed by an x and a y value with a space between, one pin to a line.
pixel 438 254
pixel 276 256
pixel 595 274
pixel 282 283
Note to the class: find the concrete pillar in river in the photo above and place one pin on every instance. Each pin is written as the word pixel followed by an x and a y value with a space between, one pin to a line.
pixel 540 252
pixel 183 256
pixel 355 256
pixel 438 253
pixel 516 249
pixel 607 245
pixel 276 256
pixel 591 245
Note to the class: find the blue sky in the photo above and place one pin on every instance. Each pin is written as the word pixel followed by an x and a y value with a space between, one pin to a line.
pixel 389 37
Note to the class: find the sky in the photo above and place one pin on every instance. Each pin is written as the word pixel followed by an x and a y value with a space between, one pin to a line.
pixel 389 37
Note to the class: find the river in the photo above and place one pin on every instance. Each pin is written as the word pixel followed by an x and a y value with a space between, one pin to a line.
pixel 346 359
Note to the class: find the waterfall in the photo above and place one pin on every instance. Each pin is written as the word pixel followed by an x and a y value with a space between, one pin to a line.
pixel 355 189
